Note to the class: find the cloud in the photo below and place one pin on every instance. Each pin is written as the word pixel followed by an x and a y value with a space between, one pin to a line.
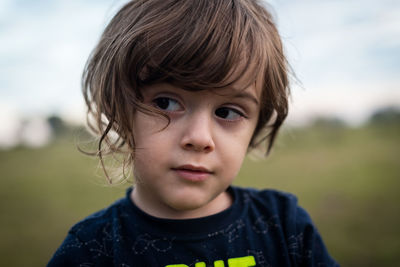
pixel 44 48
pixel 355 102
pixel 357 39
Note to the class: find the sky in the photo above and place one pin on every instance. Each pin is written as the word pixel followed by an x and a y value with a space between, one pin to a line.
pixel 345 54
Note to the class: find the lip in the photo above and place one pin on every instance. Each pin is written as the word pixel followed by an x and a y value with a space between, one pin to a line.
pixel 193 173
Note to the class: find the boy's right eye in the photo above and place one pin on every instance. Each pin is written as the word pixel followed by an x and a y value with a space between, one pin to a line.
pixel 167 104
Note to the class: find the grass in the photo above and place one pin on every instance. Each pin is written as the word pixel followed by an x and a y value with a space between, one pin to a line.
pixel 346 178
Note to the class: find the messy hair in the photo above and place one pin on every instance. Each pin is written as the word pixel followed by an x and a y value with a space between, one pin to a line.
pixel 196 45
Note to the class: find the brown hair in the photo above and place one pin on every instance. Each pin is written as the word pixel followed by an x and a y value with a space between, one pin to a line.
pixel 196 45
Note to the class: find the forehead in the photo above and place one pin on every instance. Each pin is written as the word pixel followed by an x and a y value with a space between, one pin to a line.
pixel 242 88
pixel 244 78
pixel 247 86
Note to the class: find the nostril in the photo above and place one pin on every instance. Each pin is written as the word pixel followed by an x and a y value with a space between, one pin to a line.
pixel 198 141
pixel 207 149
pixel 199 148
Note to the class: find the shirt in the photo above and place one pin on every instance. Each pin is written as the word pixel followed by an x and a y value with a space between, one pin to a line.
pixel 261 228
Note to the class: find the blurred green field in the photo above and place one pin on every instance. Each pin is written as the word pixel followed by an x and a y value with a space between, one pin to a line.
pixel 348 179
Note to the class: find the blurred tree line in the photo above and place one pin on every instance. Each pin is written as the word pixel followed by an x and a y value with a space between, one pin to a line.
pixel 61 129
pixel 381 117
pixel 388 116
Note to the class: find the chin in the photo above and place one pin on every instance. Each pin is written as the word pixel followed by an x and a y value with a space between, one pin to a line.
pixel 187 205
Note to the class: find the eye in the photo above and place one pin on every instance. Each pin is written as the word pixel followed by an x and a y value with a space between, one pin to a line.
pixel 228 113
pixel 167 104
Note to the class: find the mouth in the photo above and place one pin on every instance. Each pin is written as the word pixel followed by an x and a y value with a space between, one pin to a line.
pixel 192 168
pixel 193 173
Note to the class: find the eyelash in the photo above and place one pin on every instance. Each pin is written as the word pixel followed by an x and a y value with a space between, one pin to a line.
pixel 229 109
pixel 160 102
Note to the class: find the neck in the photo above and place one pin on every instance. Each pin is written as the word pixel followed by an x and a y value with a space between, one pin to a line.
pixel 144 201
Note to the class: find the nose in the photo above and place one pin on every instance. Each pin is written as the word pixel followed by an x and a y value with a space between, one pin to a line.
pixel 197 133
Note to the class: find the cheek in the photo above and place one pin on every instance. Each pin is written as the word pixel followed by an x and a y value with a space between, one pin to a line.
pixel 151 150
pixel 233 152
pixel 147 125
pixel 237 140
pixel 145 166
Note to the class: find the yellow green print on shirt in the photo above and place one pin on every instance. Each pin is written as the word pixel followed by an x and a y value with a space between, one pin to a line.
pixel 233 262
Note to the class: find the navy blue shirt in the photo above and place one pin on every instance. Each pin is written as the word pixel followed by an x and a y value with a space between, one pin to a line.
pixel 261 228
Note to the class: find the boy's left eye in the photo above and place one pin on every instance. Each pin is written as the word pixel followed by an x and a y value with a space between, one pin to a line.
pixel 228 113
pixel 167 104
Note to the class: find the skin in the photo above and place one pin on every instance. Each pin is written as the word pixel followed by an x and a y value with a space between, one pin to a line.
pixel 182 171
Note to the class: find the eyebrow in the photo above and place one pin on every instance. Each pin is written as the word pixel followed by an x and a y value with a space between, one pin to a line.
pixel 247 96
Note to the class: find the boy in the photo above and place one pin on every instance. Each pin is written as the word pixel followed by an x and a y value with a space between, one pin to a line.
pixel 188 87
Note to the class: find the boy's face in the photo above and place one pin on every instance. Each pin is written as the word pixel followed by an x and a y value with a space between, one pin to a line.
pixel 184 169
